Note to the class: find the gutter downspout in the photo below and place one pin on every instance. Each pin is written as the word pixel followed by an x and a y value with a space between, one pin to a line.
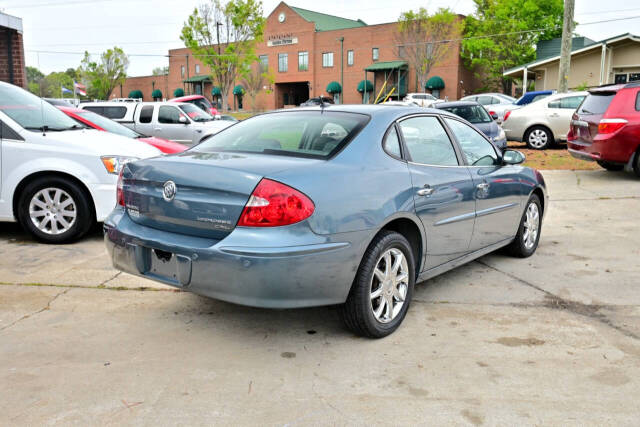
pixel 10 55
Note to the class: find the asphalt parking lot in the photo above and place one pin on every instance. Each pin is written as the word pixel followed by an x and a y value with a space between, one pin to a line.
pixel 553 339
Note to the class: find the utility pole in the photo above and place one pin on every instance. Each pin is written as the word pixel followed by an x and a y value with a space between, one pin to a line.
pixel 218 25
pixel 565 52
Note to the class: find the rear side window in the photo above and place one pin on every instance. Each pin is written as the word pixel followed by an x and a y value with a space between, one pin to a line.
pixel 392 143
pixel 569 103
pixel 427 142
pixel 114 112
pixel 596 103
pixel 146 114
pixel 314 134
pixel 97 110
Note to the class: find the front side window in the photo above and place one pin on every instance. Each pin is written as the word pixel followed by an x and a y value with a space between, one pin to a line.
pixel 169 115
pixel 327 59
pixel 375 53
pixel 283 63
pixel 427 142
pixel 349 57
pixel 303 61
pixel 31 112
pixel 195 113
pixel 298 133
pixel 569 103
pixel 476 150
pixel 146 113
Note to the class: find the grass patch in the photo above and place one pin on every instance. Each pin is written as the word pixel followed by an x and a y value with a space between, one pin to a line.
pixel 556 157
pixel 242 115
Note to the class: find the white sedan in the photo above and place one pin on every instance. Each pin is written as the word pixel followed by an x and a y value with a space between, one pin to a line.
pixel 57 178
pixel 543 122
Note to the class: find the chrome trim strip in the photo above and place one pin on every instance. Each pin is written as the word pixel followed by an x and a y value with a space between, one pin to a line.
pixel 496 209
pixel 458 218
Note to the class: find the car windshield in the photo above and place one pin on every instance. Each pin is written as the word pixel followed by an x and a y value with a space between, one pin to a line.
pixel 31 112
pixel 313 134
pixel 196 114
pixel 471 113
pixel 108 125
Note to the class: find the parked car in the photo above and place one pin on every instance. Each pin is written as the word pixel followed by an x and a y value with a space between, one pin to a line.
pixel 60 102
pixel 348 204
pixel 317 101
pixel 96 121
pixel 57 177
pixel 606 127
pixel 200 102
pixel 421 99
pixel 543 122
pixel 401 103
pixel 181 122
pixel 496 104
pixel 475 114
pixel 533 96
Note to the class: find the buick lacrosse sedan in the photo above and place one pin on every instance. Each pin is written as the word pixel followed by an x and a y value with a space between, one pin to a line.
pixel 336 204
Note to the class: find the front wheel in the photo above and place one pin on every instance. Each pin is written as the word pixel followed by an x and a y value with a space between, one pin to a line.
pixel 383 288
pixel 613 167
pixel 539 138
pixel 54 210
pixel 528 235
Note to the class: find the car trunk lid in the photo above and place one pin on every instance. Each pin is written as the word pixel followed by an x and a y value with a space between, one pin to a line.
pixel 584 125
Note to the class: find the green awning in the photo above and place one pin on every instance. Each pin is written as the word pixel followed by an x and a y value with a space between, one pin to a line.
pixel 387 65
pixel 365 85
pixel 434 82
pixel 198 79
pixel 157 93
pixel 135 94
pixel 334 87
pixel 178 92
pixel 216 91
pixel 238 90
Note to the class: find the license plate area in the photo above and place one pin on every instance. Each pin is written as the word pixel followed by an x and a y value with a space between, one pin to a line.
pixel 169 267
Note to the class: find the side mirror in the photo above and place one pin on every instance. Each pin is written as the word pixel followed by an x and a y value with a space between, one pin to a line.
pixel 512 157
pixel 494 116
pixel 183 120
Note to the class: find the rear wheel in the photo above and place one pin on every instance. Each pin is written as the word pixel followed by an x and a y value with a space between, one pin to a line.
pixel 528 236
pixel 636 163
pixel 610 166
pixel 383 288
pixel 539 138
pixel 54 210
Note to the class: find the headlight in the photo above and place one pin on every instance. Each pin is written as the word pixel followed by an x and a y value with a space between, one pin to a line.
pixel 114 164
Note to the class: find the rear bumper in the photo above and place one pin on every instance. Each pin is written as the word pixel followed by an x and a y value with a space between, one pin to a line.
pixel 609 149
pixel 283 267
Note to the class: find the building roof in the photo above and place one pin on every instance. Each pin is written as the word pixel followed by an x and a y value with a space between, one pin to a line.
pixel 595 45
pixel 326 22
pixel 9 21
pixel 386 65
pixel 549 48
pixel 198 79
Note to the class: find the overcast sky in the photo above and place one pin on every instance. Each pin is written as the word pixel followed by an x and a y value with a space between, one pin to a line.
pixel 151 27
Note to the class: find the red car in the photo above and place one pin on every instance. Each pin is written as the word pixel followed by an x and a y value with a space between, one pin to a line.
pixel 606 127
pixel 199 101
pixel 99 122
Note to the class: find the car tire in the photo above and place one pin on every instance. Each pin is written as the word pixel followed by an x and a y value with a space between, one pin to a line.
pixel 613 167
pixel 373 316
pixel 525 244
pixel 55 210
pixel 539 138
pixel 636 163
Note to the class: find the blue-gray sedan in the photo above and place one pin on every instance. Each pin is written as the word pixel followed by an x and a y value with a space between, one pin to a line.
pixel 334 204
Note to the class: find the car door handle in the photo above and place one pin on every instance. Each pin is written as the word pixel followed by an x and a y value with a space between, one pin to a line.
pixel 199 130
pixel 483 186
pixel 157 128
pixel 426 191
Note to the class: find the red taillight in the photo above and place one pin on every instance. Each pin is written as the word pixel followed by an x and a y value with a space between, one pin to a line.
pixel 506 116
pixel 571 136
pixel 119 189
pixel 611 125
pixel 274 204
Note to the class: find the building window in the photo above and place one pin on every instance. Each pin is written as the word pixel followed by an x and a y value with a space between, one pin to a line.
pixel 401 52
pixel 375 53
pixel 197 68
pixel 264 62
pixel 182 71
pixel 349 57
pixel 327 59
pixel 283 62
pixel 303 61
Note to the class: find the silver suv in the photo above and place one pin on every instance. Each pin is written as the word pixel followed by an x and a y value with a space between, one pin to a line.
pixel 180 122
pixel 421 99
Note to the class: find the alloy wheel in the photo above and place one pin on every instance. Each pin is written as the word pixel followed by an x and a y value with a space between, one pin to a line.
pixel 52 210
pixel 389 285
pixel 531 226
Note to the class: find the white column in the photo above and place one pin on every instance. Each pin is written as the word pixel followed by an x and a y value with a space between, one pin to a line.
pixel 603 57
pixel 525 75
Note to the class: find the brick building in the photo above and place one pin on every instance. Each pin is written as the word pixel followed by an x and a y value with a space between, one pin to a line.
pixel 311 54
pixel 12 68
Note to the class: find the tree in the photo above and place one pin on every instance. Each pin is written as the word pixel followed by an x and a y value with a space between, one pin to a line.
pixel 51 85
pixel 160 71
pixel 104 76
pixel 255 80
pixel 425 40
pixel 34 78
pixel 502 34
pixel 224 37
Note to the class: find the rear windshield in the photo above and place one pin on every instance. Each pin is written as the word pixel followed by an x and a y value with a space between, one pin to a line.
pixel 471 113
pixel 312 134
pixel 596 103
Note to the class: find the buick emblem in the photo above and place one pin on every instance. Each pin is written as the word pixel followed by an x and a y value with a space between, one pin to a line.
pixel 169 191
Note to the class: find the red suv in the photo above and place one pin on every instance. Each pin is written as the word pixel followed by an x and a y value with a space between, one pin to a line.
pixel 606 127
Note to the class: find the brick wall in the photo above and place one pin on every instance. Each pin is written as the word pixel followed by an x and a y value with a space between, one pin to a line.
pixel 146 84
pixel 17 57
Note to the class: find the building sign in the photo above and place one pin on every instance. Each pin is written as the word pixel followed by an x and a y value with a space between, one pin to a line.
pixel 281 40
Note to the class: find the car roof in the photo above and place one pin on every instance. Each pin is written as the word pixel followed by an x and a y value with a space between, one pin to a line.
pixel 390 112
pixel 186 98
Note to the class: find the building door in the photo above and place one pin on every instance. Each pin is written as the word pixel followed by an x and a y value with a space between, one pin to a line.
pixel 620 79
